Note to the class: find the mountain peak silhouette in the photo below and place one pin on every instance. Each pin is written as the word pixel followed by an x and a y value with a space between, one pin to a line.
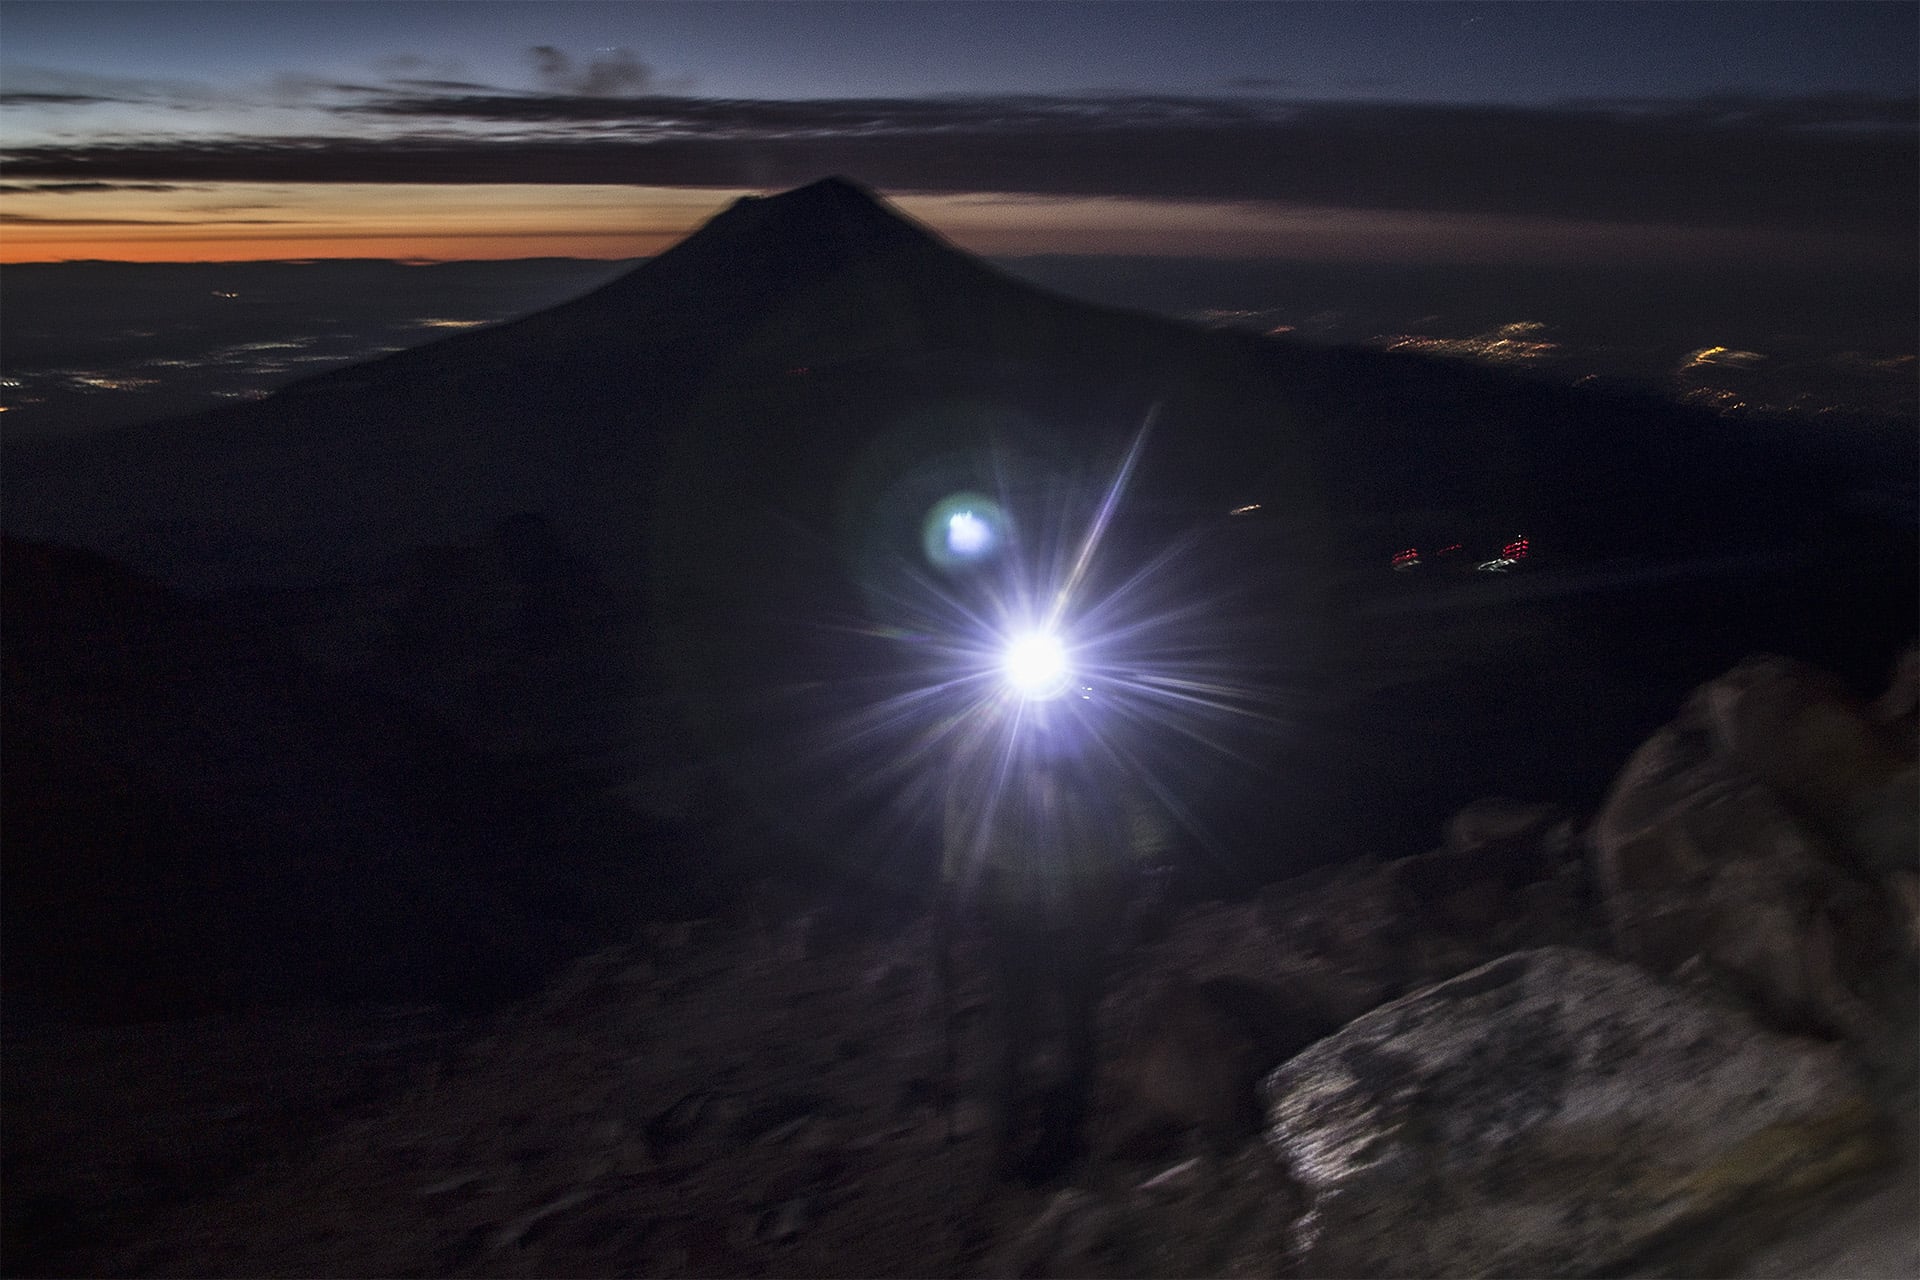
pixel 832 199
pixel 833 211
pixel 763 249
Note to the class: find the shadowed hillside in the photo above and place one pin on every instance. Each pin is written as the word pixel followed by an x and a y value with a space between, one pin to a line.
pixel 629 557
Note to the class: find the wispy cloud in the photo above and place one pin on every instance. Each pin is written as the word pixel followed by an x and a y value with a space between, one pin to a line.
pixel 621 71
pixel 83 188
pixel 55 99
pixel 34 220
pixel 443 86
pixel 36 86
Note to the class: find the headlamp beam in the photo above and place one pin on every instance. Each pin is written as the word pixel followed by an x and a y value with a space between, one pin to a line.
pixel 1036 666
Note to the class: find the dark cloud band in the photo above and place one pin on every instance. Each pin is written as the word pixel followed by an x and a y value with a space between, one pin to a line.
pixel 1839 163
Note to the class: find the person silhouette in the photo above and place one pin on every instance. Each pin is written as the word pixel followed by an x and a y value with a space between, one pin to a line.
pixel 1041 851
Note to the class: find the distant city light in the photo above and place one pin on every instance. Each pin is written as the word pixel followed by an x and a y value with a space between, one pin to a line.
pixel 1707 356
pixel 1510 344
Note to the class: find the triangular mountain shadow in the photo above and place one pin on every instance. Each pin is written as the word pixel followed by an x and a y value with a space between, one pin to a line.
pixel 693 439
pixel 439 440
pixel 824 269
pixel 829 226
pixel 783 342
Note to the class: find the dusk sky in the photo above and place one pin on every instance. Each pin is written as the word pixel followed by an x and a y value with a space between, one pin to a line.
pixel 1328 132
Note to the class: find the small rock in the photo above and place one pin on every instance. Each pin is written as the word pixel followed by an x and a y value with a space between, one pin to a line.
pixel 454 1183
pixel 784 1224
pixel 1201 1049
pixel 782 1132
pixel 517 1231
pixel 783 1115
pixel 1177 1180
pixel 1900 703
pixel 688 1115
pixel 1510 840
pixel 1061 1240
pixel 892 978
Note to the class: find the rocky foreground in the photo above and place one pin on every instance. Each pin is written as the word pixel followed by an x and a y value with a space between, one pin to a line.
pixel 1676 1038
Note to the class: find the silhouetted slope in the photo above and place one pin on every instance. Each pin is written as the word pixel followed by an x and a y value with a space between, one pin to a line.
pixel 722 444
pixel 558 412
pixel 195 818
pixel 561 412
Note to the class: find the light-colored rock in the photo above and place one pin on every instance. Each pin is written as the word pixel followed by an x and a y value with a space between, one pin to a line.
pixel 1551 1113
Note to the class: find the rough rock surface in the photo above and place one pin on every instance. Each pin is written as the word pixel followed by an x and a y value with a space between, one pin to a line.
pixel 1552 1113
pixel 1709 850
pixel 1799 732
pixel 763 1090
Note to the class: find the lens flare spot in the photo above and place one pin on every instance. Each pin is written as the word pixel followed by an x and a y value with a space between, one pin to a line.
pixel 963 531
pixel 967 534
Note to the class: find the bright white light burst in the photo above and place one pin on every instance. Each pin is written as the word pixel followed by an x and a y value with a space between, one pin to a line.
pixel 986 659
pixel 1036 665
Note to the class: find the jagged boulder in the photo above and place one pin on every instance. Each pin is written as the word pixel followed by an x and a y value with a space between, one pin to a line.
pixel 1200 1050
pixel 1485 881
pixel 1514 839
pixel 1898 706
pixel 1552 1113
pixel 1800 733
pixel 1505 879
pixel 1702 859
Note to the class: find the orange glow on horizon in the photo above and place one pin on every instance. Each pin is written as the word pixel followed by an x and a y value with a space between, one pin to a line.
pixel 241 222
